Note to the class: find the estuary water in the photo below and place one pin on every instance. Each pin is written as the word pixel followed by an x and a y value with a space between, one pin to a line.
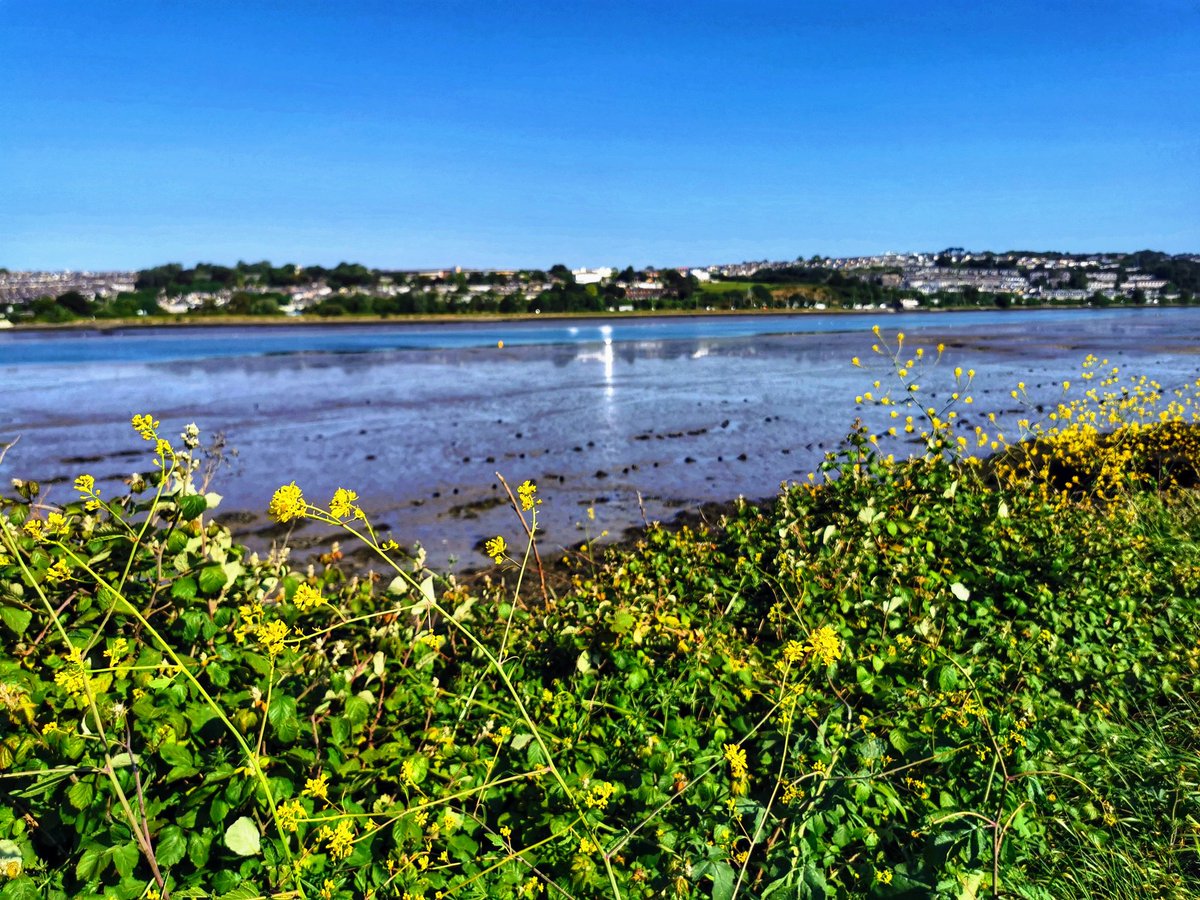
pixel 630 417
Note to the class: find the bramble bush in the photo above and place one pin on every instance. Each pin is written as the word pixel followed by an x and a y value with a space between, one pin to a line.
pixel 928 676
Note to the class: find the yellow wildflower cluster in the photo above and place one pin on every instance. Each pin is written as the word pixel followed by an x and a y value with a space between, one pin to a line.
pixel 86 486
pixel 824 645
pixel 599 793
pixel 918 787
pixel 496 548
pixel 58 572
pixel 307 598
pixel 317 788
pixel 146 426
pixel 272 636
pixel 794 652
pixel 287 504
pixel 739 772
pixel 793 793
pixel 961 706
pixel 342 506
pixel 289 815
pixel 526 493
pixel 340 840
pixel 73 677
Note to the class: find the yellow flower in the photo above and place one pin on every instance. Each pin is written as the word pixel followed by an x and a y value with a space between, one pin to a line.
pixel 56 523
pixel 793 652
pixel 825 645
pixel 118 650
pixel 60 571
pixel 146 426
pixel 599 793
pixel 341 839
pixel 289 815
pixel 307 597
pixel 287 504
pixel 736 757
pixel 12 868
pixel 318 787
pixel 883 876
pixel 854 362
pixel 526 492
pixel 272 635
pixel 496 548
pixel 86 485
pixel 35 528
pixel 342 504
pixel 72 678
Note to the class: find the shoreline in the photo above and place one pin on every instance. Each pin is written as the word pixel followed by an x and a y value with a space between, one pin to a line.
pixel 173 322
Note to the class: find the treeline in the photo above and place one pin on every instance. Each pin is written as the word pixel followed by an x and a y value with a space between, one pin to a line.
pixel 175 280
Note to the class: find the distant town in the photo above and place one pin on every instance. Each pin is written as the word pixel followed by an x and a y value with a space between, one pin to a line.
pixel 950 278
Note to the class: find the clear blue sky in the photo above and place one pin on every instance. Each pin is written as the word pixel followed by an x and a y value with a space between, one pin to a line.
pixel 603 133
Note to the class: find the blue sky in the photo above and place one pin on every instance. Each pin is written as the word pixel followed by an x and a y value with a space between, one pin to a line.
pixel 604 133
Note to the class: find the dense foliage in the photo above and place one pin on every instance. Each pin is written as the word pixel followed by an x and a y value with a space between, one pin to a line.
pixel 925 677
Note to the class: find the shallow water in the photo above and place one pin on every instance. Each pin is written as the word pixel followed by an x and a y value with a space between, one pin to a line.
pixel 419 418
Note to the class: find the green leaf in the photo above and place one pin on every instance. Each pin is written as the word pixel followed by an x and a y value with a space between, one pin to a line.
pixel 947 678
pixel 80 794
pixel 16 619
pixel 898 740
pixel 175 754
pixel 23 888
pixel 282 716
pixel 171 846
pixel 184 588
pixel 199 847
pixel 357 710
pixel 191 506
pixel 622 621
pixel 242 837
pixel 213 579
pixel 126 857
pixel 959 590
pixel 244 891
pixel 91 863
pixel 723 881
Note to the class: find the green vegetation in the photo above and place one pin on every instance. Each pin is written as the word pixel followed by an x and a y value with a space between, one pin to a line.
pixel 925 677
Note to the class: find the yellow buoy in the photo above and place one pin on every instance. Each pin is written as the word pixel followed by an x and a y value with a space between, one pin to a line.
pixel 499 345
